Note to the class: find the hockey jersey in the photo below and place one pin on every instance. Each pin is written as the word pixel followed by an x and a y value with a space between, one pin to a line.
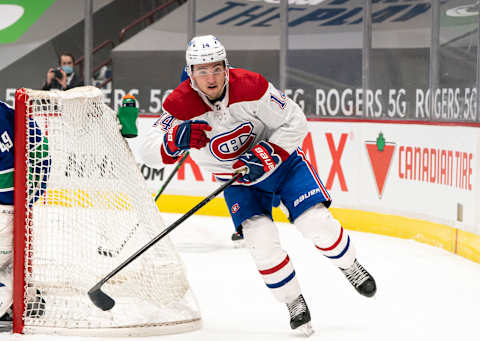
pixel 39 157
pixel 251 111
pixel 6 154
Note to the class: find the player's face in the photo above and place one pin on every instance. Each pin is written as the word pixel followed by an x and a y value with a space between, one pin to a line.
pixel 210 78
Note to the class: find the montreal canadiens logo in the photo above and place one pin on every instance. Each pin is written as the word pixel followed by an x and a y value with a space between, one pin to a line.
pixel 235 208
pixel 230 145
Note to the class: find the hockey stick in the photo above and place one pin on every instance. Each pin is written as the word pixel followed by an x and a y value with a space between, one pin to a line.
pixel 114 252
pixel 177 167
pixel 105 302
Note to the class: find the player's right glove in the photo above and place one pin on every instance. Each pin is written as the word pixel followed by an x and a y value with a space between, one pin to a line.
pixel 264 157
pixel 186 135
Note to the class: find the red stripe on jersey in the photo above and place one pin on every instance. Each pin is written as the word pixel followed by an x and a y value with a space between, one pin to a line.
pixel 275 268
pixel 334 245
pixel 224 174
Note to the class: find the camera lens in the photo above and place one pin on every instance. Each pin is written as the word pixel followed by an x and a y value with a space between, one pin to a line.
pixel 58 73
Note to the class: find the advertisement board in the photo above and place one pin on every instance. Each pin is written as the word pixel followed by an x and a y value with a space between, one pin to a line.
pixel 417 171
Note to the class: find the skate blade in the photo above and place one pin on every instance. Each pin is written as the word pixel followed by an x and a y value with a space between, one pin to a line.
pixel 306 329
pixel 238 244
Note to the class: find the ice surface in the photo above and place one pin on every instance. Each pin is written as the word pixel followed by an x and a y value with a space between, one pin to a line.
pixel 424 293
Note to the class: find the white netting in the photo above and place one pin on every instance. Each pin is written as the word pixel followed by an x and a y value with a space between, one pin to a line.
pixel 92 213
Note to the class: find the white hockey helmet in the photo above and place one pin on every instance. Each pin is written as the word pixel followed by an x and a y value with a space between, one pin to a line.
pixel 205 49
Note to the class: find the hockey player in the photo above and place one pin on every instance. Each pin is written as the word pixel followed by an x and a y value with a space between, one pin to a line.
pixel 39 170
pixel 238 120
pixel 237 237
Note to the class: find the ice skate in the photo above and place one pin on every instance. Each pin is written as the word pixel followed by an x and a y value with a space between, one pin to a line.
pixel 300 316
pixel 238 240
pixel 361 280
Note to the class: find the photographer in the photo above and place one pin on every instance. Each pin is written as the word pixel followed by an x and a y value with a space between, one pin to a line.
pixel 63 77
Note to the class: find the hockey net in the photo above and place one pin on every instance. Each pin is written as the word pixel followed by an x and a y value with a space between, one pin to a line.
pixel 81 209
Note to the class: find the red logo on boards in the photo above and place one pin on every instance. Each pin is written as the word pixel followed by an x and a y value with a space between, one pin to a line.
pixel 380 154
pixel 229 146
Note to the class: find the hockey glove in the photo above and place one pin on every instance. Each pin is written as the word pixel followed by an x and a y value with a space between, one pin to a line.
pixel 186 135
pixel 262 158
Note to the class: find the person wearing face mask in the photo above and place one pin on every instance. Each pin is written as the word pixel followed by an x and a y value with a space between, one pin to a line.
pixel 63 77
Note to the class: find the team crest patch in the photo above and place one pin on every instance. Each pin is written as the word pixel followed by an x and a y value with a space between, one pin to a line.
pixel 235 208
pixel 229 146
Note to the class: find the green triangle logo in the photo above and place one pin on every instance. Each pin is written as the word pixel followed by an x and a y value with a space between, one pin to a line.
pixel 380 154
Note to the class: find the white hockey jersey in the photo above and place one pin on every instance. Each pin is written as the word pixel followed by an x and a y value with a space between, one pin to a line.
pixel 251 111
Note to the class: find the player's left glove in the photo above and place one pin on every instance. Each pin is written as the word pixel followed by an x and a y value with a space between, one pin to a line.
pixel 262 158
pixel 186 135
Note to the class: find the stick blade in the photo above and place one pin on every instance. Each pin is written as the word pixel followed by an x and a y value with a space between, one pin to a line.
pixel 100 299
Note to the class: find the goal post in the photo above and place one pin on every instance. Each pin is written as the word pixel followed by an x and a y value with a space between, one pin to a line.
pixel 19 215
pixel 81 208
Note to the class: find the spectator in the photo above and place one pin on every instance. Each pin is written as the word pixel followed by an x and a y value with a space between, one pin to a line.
pixel 63 77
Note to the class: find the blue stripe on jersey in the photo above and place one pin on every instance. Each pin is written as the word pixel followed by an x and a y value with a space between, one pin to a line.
pixel 6 198
pixel 281 283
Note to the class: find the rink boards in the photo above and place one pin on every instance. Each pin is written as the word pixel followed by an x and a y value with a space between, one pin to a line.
pixel 415 181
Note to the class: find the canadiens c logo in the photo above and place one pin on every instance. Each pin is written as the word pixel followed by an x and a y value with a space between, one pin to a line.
pixel 230 145
pixel 235 208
